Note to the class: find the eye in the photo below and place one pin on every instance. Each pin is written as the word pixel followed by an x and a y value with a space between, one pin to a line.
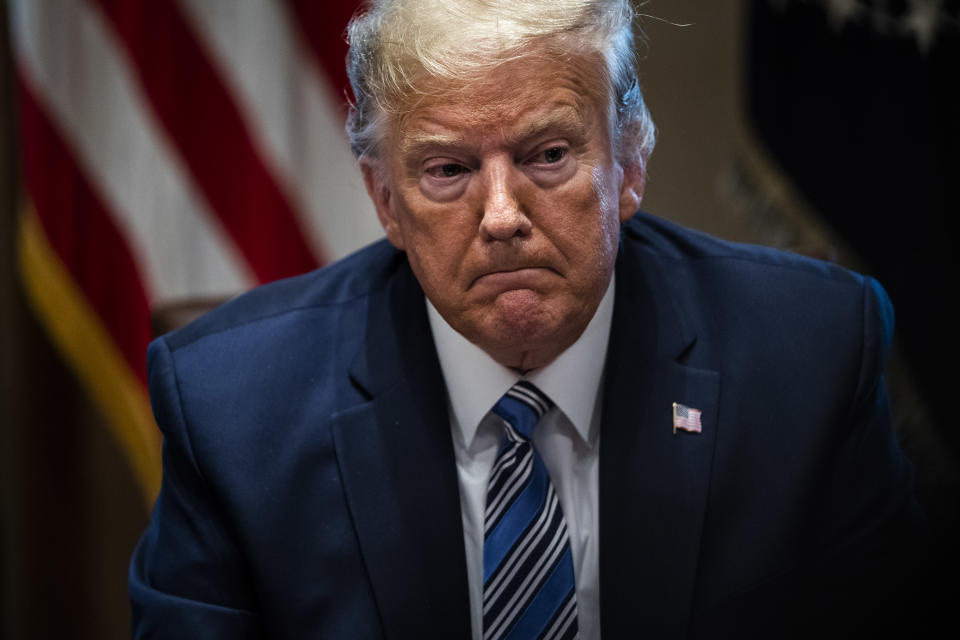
pixel 450 170
pixel 551 163
pixel 444 179
pixel 554 154
pixel 551 155
pixel 445 170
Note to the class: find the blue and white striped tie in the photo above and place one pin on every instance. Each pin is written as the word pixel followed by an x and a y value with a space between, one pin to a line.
pixel 528 582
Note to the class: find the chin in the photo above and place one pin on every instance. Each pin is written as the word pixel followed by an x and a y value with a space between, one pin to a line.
pixel 523 331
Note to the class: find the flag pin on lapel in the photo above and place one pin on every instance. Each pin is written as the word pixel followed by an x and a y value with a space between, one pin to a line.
pixel 686 418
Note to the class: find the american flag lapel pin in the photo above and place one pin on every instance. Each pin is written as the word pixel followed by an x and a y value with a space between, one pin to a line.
pixel 686 418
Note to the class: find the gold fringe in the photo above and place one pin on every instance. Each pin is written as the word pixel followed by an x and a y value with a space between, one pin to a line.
pixel 88 348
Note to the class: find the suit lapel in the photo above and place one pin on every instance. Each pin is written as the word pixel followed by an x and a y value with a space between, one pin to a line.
pixel 399 473
pixel 653 483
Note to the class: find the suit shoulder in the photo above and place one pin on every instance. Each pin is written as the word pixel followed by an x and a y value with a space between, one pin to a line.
pixel 331 287
pixel 728 285
pixel 669 241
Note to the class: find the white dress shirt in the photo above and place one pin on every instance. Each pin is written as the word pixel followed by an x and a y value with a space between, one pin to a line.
pixel 568 439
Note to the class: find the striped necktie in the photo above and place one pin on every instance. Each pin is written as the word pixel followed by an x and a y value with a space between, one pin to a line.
pixel 528 581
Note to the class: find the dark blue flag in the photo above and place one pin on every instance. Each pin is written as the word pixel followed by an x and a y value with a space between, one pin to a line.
pixel 857 101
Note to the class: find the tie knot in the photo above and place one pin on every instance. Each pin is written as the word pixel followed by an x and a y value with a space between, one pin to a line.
pixel 522 406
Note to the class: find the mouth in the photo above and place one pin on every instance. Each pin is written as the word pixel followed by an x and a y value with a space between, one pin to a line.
pixel 511 279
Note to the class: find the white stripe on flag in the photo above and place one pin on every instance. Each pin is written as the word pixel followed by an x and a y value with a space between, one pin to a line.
pixel 293 116
pixel 81 74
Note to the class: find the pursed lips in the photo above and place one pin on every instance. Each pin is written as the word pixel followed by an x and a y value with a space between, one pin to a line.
pixel 508 279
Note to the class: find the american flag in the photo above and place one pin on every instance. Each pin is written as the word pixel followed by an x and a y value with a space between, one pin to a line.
pixel 685 418
pixel 172 150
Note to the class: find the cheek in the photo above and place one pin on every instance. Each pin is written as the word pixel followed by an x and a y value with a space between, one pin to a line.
pixel 589 212
pixel 592 227
pixel 436 252
pixel 606 189
pixel 426 221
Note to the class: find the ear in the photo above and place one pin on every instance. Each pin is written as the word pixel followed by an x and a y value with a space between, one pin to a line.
pixel 631 190
pixel 378 188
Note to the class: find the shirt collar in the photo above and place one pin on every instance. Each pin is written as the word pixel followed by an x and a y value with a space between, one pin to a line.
pixel 475 381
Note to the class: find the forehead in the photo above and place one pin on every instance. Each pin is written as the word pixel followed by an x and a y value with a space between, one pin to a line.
pixel 517 99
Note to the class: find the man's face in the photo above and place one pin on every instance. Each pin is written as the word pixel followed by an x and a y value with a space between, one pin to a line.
pixel 507 200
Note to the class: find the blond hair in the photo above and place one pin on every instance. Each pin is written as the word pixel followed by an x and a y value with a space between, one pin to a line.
pixel 398 46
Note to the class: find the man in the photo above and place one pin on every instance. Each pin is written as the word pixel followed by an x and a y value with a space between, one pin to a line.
pixel 534 412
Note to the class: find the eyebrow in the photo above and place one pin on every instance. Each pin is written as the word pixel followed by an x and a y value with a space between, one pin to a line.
pixel 564 118
pixel 415 143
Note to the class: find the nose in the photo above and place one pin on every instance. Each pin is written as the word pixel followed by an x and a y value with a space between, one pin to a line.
pixel 503 214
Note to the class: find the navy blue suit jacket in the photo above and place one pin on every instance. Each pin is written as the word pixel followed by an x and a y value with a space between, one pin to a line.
pixel 309 482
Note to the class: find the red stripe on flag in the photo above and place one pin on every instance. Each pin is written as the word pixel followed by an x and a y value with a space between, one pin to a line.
pixel 81 231
pixel 195 107
pixel 324 26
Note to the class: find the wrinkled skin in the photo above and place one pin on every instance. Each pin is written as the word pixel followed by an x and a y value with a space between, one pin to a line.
pixel 507 199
